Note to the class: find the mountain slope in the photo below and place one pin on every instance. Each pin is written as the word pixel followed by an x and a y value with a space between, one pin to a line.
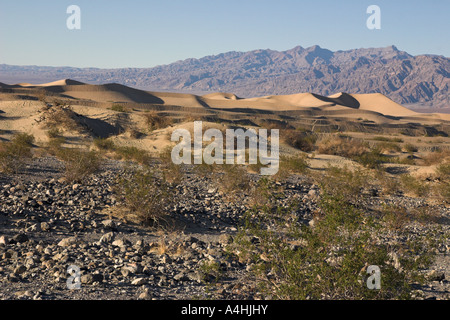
pixel 406 79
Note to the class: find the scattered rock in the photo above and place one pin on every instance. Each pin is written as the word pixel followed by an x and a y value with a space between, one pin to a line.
pixel 67 242
pixel 19 238
pixel 138 281
pixel 435 275
pixel 3 240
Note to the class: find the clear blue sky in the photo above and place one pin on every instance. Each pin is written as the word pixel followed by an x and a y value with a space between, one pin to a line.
pixel 146 33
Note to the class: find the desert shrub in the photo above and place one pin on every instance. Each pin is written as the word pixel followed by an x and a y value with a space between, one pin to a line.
pixel 443 171
pixel 410 148
pixel 384 139
pixel 443 186
pixel 79 164
pixel 327 260
pixel 132 154
pixel 205 169
pixel 233 180
pixel 342 146
pixel 389 147
pixel 172 172
pixel 119 108
pixel 372 159
pixel 104 144
pixel 297 164
pixel 414 186
pixel 54 133
pixel 301 140
pixel 443 190
pixel 144 194
pixel 409 160
pixel 156 121
pixel 343 182
pixel 210 271
pixel 435 157
pixel 395 217
pixel 63 117
pixel 389 184
pixel 15 153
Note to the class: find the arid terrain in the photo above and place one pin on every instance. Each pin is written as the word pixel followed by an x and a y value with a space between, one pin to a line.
pixel 86 180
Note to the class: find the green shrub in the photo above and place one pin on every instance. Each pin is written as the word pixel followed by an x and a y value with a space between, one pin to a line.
pixel 342 146
pixel 145 195
pixel 54 133
pixel 413 185
pixel 15 153
pixel 389 147
pixel 443 186
pixel 410 148
pixel 172 172
pixel 343 182
pixel 328 260
pixel 119 108
pixel 233 180
pixel 79 164
pixel 379 138
pixel 372 159
pixel 156 121
pixel 301 140
pixel 104 144
pixel 133 154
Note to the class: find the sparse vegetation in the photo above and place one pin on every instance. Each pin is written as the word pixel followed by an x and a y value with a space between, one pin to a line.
pixel 343 182
pixel 119 108
pixel 173 173
pixel 443 187
pixel 301 140
pixel 297 164
pixel 15 153
pixel 328 259
pixel 341 146
pixel 414 186
pixel 385 139
pixel 435 157
pixel 372 159
pixel 410 148
pixel 63 117
pixel 104 144
pixel 233 180
pixel 155 121
pixel 145 195
pixel 79 164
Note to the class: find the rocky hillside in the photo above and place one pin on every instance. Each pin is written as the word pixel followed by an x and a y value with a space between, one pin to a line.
pixel 406 79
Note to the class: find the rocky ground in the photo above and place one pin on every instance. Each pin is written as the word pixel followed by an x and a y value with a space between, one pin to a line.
pixel 47 225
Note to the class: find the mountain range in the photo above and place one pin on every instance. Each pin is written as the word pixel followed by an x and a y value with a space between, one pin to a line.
pixel 420 81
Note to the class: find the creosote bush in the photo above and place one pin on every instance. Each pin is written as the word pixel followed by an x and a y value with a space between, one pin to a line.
pixel 128 153
pixel 414 185
pixel 172 172
pixel 329 259
pixel 15 153
pixel 443 186
pixel 344 182
pixel 297 164
pixel 146 195
pixel 156 121
pixel 341 146
pixel 233 180
pixel 79 164
pixel 301 140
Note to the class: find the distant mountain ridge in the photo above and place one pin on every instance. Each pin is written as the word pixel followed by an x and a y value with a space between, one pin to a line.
pixel 406 79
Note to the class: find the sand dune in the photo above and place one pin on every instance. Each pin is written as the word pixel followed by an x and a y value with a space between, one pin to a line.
pixel 221 96
pixel 374 105
pixel 380 103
